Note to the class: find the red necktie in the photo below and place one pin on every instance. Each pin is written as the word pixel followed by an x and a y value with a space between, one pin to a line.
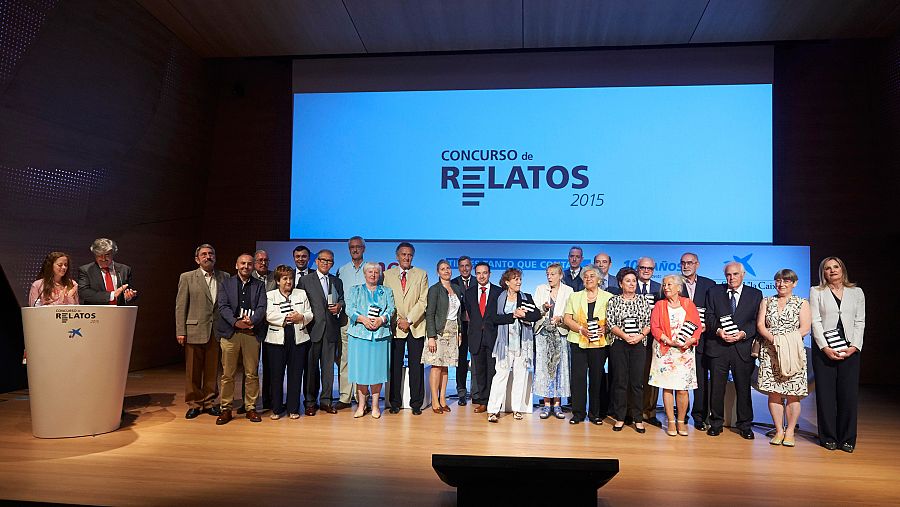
pixel 482 301
pixel 109 284
pixel 403 280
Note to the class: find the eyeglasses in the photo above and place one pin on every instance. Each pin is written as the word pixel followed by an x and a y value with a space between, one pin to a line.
pixel 326 261
pixel 688 263
pixel 645 268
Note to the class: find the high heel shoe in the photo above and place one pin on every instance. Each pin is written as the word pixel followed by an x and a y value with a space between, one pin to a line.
pixel 778 440
pixel 682 432
pixel 437 409
pixel 670 431
pixel 445 408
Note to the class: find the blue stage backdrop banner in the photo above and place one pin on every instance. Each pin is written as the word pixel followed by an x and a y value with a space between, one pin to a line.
pixel 628 164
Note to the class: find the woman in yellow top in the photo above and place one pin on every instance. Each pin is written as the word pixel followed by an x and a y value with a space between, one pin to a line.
pixel 585 316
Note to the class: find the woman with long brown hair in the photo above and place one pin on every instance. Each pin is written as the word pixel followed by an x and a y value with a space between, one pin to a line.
pixel 54 286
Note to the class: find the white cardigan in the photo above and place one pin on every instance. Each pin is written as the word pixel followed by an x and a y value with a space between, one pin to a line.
pixel 542 295
pixel 276 309
pixel 825 314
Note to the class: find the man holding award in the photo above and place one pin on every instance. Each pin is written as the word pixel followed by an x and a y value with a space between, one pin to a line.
pixel 731 310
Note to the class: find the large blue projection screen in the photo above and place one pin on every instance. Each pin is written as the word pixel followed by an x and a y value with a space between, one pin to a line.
pixel 654 164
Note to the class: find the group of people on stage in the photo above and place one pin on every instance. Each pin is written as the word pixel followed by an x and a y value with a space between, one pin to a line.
pixel 685 333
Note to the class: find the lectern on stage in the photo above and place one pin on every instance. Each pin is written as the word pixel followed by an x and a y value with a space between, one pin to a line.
pixel 77 367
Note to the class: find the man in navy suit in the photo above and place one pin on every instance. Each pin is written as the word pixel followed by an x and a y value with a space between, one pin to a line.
pixel 463 281
pixel 241 328
pixel 572 275
pixel 326 297
pixel 608 282
pixel 481 305
pixel 650 289
pixel 695 287
pixel 731 351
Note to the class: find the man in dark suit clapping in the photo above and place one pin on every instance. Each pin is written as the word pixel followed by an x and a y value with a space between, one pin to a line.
pixel 104 282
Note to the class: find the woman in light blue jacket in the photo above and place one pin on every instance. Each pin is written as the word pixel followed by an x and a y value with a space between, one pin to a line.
pixel 369 310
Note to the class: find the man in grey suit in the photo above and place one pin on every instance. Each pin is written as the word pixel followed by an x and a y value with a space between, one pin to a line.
pixel 195 313
pixel 104 282
pixel 326 297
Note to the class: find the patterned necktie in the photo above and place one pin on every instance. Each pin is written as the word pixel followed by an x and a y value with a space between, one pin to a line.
pixel 733 300
pixel 403 280
pixel 482 300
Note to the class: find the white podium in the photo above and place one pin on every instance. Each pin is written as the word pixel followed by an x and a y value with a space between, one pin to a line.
pixel 77 367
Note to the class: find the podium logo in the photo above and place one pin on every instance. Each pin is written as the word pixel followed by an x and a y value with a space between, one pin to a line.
pixel 65 315
pixel 75 332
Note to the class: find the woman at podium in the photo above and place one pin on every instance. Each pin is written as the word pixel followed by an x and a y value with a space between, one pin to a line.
pixel 54 286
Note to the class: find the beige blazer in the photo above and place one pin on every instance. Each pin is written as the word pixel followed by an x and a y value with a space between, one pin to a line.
pixel 195 311
pixel 825 314
pixel 410 303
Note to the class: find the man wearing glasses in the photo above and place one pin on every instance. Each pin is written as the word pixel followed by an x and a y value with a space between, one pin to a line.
pixel 326 297
pixel 695 287
pixel 650 289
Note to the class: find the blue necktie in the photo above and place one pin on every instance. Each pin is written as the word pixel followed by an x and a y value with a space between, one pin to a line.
pixel 733 301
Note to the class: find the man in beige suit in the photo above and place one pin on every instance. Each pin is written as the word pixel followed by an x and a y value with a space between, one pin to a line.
pixel 195 313
pixel 410 287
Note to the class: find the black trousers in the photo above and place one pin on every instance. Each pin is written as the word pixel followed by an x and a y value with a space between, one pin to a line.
pixel 292 357
pixel 626 366
pixel 320 369
pixel 700 409
pixel 483 370
pixel 585 380
pixel 416 371
pixel 837 395
pixel 462 365
pixel 741 372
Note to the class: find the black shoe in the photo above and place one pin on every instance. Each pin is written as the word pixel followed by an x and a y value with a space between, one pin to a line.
pixel 747 434
pixel 830 445
pixel 847 447
pixel 596 421
pixel 701 426
pixel 214 410
pixel 640 430
pixel 574 421
pixel 653 421
pixel 617 428
pixel 417 411
pixel 461 402
pixel 192 413
pixel 714 432
pixel 394 410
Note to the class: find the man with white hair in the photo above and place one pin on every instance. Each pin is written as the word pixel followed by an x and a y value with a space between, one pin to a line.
pixel 728 347
pixel 104 282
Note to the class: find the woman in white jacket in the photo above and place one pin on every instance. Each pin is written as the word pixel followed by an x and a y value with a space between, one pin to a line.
pixel 287 341
pixel 551 362
pixel 838 320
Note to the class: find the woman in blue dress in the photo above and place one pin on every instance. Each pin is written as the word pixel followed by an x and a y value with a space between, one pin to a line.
pixel 369 309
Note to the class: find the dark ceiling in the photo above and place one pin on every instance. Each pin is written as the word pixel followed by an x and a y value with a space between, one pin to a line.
pixel 242 28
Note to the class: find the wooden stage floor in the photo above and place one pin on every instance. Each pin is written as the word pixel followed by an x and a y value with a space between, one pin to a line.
pixel 160 458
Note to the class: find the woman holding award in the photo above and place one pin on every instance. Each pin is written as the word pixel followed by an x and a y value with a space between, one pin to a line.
pixel 551 361
pixel 514 348
pixel 838 310
pixel 585 316
pixel 628 316
pixel 369 309
pixel 782 322
pixel 442 328
pixel 675 324
pixel 287 341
